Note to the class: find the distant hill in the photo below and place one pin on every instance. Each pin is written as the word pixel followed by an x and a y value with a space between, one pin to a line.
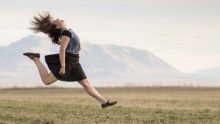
pixel 209 72
pixel 1 47
pixel 105 65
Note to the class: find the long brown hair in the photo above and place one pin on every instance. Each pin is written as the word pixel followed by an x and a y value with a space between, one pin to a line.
pixel 44 23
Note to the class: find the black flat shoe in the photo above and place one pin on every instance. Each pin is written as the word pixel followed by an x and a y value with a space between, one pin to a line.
pixel 108 103
pixel 32 55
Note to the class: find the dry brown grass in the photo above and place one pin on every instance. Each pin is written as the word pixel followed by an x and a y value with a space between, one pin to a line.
pixel 154 105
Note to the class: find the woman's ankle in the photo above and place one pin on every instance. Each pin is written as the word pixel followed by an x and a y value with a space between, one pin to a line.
pixel 35 59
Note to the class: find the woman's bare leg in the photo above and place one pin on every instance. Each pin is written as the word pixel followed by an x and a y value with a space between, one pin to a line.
pixel 92 91
pixel 45 77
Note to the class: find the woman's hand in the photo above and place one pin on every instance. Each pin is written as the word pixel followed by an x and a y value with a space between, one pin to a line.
pixel 62 70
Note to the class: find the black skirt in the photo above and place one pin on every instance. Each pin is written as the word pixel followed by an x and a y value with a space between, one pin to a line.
pixel 73 70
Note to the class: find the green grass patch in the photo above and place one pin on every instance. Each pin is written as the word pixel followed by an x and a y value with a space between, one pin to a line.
pixel 135 106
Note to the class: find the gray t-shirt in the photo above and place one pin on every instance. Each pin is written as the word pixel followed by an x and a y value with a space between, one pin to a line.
pixel 74 44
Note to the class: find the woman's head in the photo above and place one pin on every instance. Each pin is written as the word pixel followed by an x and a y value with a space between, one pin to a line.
pixel 60 24
pixel 45 23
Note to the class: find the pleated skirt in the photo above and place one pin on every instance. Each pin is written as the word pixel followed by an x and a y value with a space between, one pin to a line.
pixel 73 69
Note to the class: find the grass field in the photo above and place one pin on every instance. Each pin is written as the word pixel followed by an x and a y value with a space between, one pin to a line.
pixel 152 105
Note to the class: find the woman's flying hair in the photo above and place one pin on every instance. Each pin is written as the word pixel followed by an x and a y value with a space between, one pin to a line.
pixel 44 23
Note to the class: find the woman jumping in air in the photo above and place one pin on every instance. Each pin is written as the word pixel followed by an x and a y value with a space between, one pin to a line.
pixel 64 66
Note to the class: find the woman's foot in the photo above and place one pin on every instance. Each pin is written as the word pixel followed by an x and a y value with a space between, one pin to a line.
pixel 108 103
pixel 32 55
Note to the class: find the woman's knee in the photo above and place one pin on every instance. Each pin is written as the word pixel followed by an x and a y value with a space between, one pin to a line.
pixel 46 82
pixel 49 80
pixel 85 83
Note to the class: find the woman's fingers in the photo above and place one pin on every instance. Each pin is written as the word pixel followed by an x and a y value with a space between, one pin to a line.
pixel 62 71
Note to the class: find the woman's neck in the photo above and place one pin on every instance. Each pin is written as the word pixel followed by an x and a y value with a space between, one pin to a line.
pixel 64 27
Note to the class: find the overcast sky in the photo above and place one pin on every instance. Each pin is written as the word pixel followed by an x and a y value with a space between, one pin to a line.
pixel 184 33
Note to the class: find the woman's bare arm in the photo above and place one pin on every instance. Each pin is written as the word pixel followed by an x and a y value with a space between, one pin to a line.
pixel 63 45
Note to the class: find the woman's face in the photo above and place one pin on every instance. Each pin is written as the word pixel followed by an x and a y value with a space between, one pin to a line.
pixel 59 23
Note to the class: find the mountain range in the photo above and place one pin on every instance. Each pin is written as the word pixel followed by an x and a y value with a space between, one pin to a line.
pixel 209 72
pixel 104 65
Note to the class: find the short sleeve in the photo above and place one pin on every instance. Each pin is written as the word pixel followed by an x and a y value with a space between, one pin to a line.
pixel 66 33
